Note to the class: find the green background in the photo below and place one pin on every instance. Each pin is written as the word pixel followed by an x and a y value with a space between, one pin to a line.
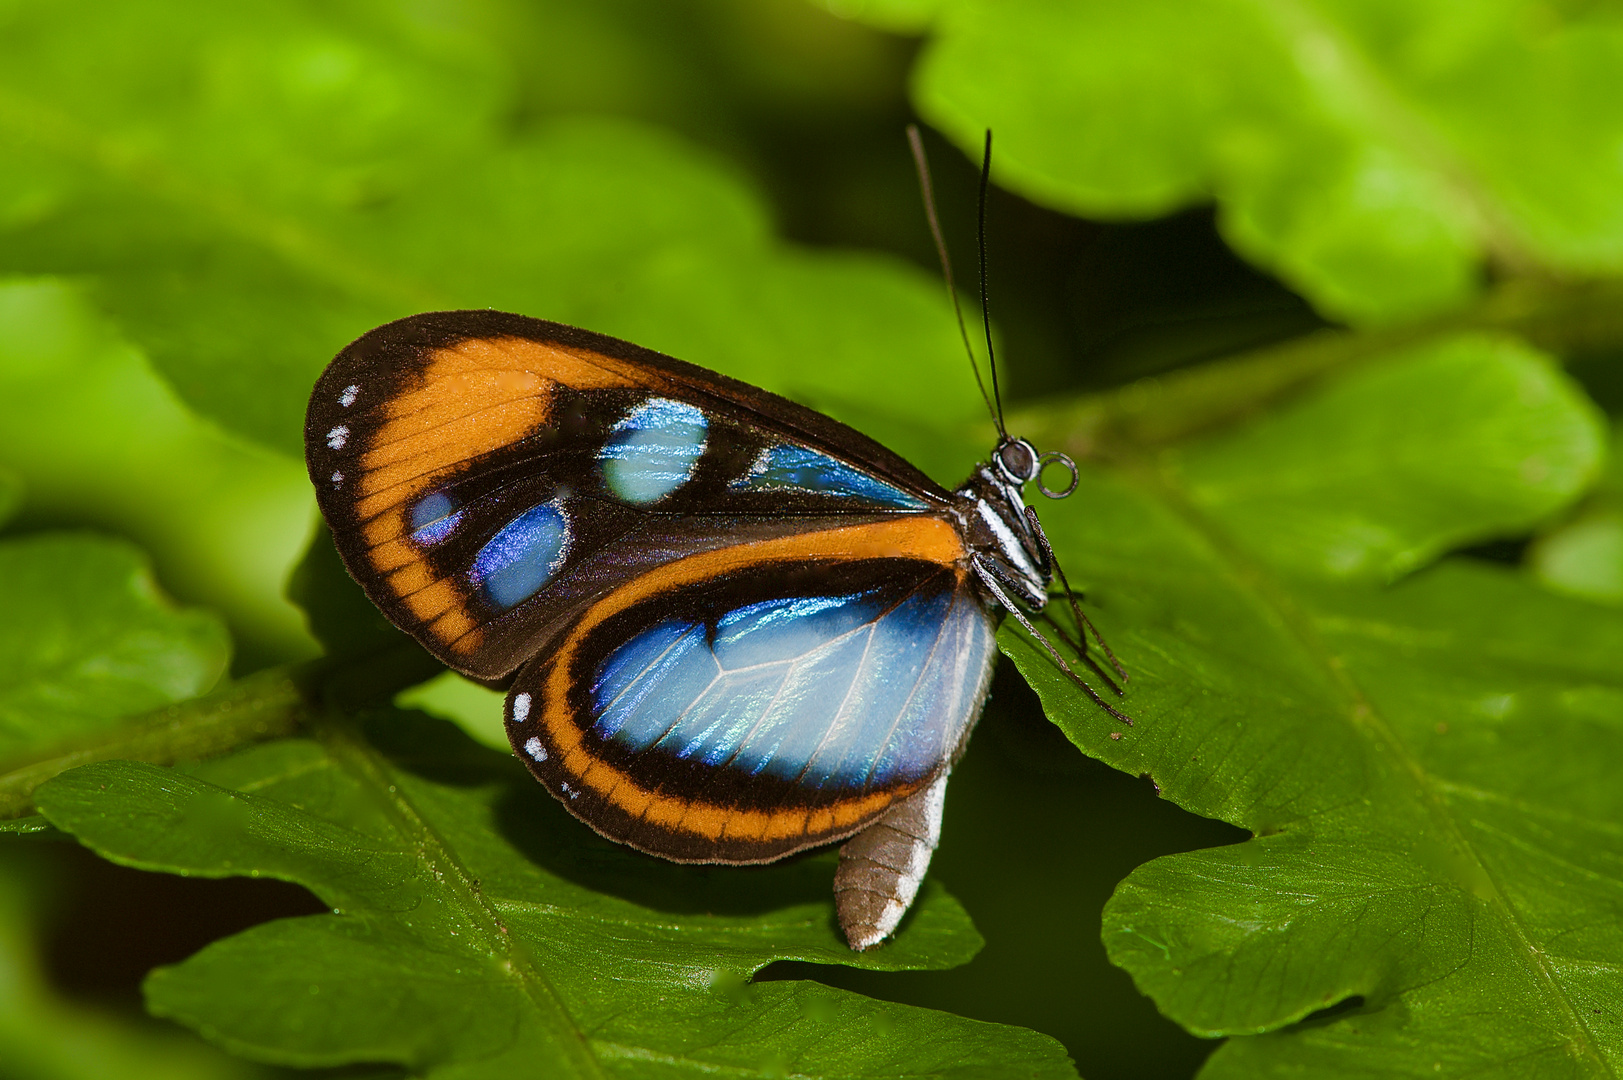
pixel 1325 297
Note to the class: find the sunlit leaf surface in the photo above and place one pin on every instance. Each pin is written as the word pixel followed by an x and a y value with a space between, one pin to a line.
pixel 258 185
pixel 1429 769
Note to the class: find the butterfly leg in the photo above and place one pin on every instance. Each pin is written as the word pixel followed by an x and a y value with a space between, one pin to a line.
pixel 882 866
pixel 990 581
pixel 1083 623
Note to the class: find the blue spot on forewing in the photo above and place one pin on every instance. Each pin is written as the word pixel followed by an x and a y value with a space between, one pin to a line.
pixel 653 450
pixel 517 561
pixel 787 467
pixel 433 519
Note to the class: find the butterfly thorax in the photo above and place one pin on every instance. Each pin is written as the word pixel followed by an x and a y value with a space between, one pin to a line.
pixel 993 515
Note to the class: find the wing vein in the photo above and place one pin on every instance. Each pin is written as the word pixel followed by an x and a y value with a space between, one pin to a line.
pixel 911 694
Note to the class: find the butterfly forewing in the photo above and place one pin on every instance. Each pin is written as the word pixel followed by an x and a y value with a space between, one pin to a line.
pixel 488 477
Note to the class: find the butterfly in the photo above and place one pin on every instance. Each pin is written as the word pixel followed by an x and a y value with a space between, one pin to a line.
pixel 734 628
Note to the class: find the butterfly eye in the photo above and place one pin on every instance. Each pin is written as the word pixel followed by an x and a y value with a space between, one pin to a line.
pixel 1018 460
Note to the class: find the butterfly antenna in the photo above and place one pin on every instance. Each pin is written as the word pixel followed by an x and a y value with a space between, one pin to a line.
pixel 986 309
pixel 922 164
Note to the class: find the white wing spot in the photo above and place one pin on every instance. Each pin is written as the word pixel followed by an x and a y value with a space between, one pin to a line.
pixel 534 748
pixel 347 398
pixel 521 708
pixel 337 478
pixel 338 436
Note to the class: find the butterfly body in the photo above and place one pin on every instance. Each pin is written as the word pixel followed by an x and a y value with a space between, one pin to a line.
pixel 734 628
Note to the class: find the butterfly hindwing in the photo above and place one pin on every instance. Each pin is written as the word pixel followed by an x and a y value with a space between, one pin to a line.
pixel 488 477
pixel 736 706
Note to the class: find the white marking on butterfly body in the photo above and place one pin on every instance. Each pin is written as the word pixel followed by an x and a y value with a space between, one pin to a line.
pixel 533 747
pixel 1009 545
pixel 347 398
pixel 338 436
pixel 521 710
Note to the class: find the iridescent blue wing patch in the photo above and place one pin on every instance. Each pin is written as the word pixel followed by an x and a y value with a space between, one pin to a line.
pixel 716 721
pixel 785 468
pixel 653 450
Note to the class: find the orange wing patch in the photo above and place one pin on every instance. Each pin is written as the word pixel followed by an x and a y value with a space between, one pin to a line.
pixel 470 399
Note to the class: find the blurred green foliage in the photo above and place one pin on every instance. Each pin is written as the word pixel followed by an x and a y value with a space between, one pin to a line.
pixel 1358 539
pixel 1374 153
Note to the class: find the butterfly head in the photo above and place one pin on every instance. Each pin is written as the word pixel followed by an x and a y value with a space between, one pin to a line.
pixel 999 528
pixel 1019 463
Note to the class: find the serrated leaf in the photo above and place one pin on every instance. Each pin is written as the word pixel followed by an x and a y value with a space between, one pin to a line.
pixel 96 664
pixel 86 640
pixel 476 929
pixel 1430 769
pixel 1370 154
pixel 298 176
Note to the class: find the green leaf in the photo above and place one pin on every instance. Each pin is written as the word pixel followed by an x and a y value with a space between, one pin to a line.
pixel 100 441
pixel 11 492
pixel 1462 849
pixel 1584 556
pixel 34 825
pixel 1453 441
pixel 476 929
pixel 1429 769
pixel 96 664
pixel 475 709
pixel 86 639
pixel 43 1037
pixel 1372 155
pixel 298 176
pixel 897 16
